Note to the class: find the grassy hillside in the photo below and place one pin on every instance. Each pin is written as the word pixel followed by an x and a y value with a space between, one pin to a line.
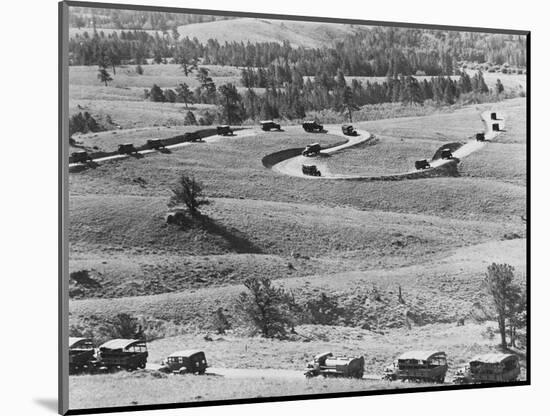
pixel 305 34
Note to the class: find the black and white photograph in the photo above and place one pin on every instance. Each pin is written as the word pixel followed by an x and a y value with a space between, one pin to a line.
pixel 265 207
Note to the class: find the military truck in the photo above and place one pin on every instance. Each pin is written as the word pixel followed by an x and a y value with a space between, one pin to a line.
pixel 418 366
pixel 480 137
pixel 126 149
pixel 446 154
pixel 327 365
pixel 496 127
pixel 312 126
pixel 310 170
pixel 348 130
pixel 312 150
pixel 80 157
pixel 224 130
pixel 154 144
pixel 81 355
pixel 268 125
pixel 421 164
pixel 127 354
pixel 185 362
pixel 489 368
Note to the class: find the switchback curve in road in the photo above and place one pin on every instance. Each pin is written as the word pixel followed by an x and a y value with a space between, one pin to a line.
pixel 293 165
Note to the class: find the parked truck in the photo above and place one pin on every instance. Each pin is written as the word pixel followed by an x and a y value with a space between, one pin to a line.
pixel 80 157
pixel 185 362
pixel 418 366
pixel 312 126
pixel 312 150
pixel 310 170
pixel 328 365
pixel 81 355
pixel 421 164
pixel 489 368
pixel 224 130
pixel 348 130
pixel 127 354
pixel 127 149
pixel 268 125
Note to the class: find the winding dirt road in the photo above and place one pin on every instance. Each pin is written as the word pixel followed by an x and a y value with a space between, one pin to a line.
pixel 293 165
pixel 245 132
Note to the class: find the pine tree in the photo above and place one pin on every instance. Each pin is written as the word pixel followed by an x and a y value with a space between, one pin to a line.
pixel 104 76
pixel 156 94
pixel 207 85
pixel 230 101
pixel 499 87
pixel 499 284
pixel 347 103
pixel 184 94
pixel 189 119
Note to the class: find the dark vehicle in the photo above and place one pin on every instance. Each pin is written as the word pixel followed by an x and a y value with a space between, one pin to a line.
pixel 126 149
pixel 419 366
pixel 327 365
pixel 348 130
pixel 191 137
pixel 494 116
pixel 80 157
pixel 480 137
pixel 312 149
pixel 81 355
pixel 446 154
pixel 128 354
pixel 310 170
pixel 224 130
pixel 184 362
pixel 268 125
pixel 489 368
pixel 312 126
pixel 421 164
pixel 496 127
pixel 155 144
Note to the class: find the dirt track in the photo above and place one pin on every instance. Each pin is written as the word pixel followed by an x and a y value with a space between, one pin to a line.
pixel 249 373
pixel 293 165
pixel 245 132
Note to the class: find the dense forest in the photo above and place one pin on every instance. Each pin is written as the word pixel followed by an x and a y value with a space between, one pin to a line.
pixel 297 97
pixel 381 51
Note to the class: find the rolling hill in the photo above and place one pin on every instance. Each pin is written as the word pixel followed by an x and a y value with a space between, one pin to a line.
pixel 305 34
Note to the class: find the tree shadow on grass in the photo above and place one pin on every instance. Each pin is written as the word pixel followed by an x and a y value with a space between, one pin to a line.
pixel 235 238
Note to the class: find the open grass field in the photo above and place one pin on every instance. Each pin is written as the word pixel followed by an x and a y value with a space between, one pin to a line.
pixel 144 388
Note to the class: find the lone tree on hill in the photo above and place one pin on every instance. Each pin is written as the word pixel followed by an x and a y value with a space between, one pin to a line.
pixel 188 192
pixel 508 298
pixel 347 103
pixel 266 306
pixel 104 76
